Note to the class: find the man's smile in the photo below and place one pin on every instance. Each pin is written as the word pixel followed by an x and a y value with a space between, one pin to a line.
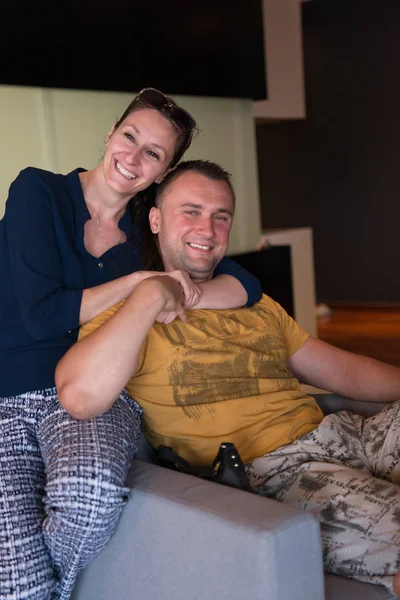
pixel 202 247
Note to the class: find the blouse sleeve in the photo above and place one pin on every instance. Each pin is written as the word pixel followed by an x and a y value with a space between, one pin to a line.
pixel 227 266
pixel 48 308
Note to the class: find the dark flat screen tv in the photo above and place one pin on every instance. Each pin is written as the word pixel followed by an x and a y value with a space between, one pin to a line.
pixel 273 268
pixel 204 48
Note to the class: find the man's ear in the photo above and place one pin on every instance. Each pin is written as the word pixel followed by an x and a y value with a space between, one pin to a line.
pixel 154 219
pixel 110 133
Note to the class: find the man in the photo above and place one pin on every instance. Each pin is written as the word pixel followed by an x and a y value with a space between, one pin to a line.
pixel 229 375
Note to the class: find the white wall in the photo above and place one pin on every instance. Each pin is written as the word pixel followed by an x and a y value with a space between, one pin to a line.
pixel 283 43
pixel 62 129
pixel 300 241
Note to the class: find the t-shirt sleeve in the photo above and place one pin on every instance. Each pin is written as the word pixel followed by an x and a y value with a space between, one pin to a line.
pixel 98 321
pixel 47 308
pixel 227 266
pixel 295 337
pixel 102 318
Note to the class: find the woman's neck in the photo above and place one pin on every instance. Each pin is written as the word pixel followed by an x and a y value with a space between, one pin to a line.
pixel 108 204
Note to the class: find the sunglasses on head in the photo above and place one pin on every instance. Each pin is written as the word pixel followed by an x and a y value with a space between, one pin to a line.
pixel 179 116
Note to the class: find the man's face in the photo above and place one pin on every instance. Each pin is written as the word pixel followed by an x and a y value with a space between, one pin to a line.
pixel 193 224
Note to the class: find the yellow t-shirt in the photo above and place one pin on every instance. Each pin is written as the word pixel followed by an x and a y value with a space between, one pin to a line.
pixel 221 377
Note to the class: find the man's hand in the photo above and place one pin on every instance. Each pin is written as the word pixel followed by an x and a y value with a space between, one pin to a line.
pixel 191 292
pixel 173 298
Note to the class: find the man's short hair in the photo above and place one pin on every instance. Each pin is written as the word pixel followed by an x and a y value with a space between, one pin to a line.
pixel 208 168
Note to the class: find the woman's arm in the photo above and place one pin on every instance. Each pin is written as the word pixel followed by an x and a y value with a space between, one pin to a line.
pixel 224 291
pixel 231 287
pixel 97 299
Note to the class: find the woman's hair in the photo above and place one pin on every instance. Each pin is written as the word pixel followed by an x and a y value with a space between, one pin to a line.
pixel 140 206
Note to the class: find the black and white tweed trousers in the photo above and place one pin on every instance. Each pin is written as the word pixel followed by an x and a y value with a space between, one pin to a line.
pixel 62 489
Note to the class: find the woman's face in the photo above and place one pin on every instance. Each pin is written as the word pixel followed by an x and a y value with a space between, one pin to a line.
pixel 139 151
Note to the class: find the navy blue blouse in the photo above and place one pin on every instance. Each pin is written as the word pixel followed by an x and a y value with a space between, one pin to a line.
pixel 44 268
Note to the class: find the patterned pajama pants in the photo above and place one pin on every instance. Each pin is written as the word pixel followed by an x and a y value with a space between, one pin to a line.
pixel 346 472
pixel 62 489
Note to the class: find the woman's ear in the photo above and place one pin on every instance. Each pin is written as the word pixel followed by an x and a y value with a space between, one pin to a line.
pixel 110 133
pixel 154 219
pixel 163 176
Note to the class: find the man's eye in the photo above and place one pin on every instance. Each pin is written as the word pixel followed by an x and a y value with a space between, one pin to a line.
pixel 191 212
pixel 221 218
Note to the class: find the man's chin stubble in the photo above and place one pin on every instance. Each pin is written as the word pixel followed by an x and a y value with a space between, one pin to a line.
pixel 200 274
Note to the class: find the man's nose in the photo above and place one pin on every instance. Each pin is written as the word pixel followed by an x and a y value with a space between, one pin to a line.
pixel 207 226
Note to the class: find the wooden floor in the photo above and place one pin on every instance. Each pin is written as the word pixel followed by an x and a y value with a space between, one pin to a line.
pixel 373 331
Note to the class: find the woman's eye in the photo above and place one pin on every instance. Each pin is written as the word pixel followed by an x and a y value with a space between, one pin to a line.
pixel 153 154
pixel 129 136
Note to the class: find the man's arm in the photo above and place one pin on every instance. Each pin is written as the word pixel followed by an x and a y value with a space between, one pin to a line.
pixel 359 377
pixel 91 375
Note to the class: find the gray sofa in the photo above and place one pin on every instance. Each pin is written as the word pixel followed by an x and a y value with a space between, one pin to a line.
pixel 183 538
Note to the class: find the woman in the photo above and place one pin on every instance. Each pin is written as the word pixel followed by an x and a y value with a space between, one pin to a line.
pixel 68 251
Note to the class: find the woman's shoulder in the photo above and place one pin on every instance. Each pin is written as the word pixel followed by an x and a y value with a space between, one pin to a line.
pixel 34 173
pixel 31 179
pixel 35 179
pixel 34 186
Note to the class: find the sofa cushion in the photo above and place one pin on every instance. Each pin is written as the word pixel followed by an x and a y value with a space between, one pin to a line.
pixel 342 588
pixel 331 403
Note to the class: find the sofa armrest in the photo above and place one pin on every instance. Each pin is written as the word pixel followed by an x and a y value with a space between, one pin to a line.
pixel 331 403
pixel 181 537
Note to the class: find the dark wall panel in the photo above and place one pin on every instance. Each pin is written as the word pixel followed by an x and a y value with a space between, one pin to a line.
pixel 338 171
pixel 205 48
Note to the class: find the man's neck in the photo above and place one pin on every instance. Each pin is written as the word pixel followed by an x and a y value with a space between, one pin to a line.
pixel 195 279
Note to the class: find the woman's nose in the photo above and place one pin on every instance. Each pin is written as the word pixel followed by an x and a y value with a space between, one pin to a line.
pixel 133 156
